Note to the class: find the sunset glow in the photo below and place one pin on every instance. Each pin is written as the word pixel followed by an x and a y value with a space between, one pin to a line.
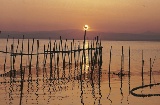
pixel 105 15
pixel 80 52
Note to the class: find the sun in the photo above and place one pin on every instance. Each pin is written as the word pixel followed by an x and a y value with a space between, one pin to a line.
pixel 85 27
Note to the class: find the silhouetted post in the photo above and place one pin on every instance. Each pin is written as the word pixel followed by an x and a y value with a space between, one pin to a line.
pixel 44 63
pixel 64 60
pixel 37 65
pixel 81 68
pixel 100 53
pixel 129 67
pixel 11 61
pixel 50 60
pixel 13 55
pixel 22 43
pixel 142 69
pixel 110 65
pixel 122 62
pixel 122 58
pixel 61 46
pixel 21 58
pixel 17 46
pixel 44 48
pixel 6 56
pixel 58 58
pixel 28 47
pixel 150 72
pixel 129 62
pixel 121 73
pixel 88 54
pixel 85 31
pixel 95 52
pixel 31 59
pixel 71 53
pixel 54 48
pixel 28 51
pixel 85 36
pixel 91 54
pixel 21 65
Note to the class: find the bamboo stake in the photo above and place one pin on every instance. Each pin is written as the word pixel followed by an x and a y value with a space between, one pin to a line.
pixel 37 64
pixel 150 72
pixel 71 53
pixel 110 66
pixel 122 61
pixel 129 69
pixel 50 61
pixel 6 56
pixel 142 69
pixel 11 62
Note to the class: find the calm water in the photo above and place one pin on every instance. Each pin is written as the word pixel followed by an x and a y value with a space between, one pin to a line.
pixel 69 91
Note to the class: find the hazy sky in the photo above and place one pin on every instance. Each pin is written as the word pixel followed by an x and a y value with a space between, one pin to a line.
pixel 101 15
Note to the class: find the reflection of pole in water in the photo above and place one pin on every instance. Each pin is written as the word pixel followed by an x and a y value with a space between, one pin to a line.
pixel 109 73
pixel 22 77
pixel 99 84
pixel 81 81
pixel 11 92
pixel 36 93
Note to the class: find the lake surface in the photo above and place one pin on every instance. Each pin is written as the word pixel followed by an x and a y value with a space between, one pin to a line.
pixel 67 88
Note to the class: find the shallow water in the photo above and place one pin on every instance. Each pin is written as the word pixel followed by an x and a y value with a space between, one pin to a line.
pixel 39 88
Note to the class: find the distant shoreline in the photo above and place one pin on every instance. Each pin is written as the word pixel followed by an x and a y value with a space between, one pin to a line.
pixel 79 35
pixel 82 39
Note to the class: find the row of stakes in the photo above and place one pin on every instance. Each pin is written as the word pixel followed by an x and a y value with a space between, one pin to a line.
pixel 52 51
pixel 94 51
pixel 121 74
pixel 56 52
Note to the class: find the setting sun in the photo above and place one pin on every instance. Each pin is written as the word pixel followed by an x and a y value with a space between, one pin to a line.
pixel 85 27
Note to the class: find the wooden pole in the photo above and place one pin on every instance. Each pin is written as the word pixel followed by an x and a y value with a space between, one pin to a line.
pixel 100 53
pixel 129 62
pixel 71 53
pixel 110 66
pixel 142 69
pixel 6 56
pixel 50 60
pixel 11 62
pixel 129 75
pixel 150 72
pixel 37 65
pixel 28 55
pixel 122 61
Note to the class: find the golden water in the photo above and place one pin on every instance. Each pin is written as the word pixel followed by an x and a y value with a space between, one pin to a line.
pixel 43 91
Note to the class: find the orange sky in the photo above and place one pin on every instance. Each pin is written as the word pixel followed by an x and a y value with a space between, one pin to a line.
pixel 101 15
